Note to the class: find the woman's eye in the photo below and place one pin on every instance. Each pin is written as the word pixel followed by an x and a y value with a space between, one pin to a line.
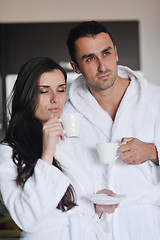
pixel 61 90
pixel 43 91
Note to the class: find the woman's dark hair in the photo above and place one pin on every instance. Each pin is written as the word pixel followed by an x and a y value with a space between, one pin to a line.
pixel 84 29
pixel 24 133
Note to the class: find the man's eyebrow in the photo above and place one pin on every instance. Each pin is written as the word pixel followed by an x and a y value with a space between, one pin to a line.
pixel 92 54
pixel 87 56
pixel 107 49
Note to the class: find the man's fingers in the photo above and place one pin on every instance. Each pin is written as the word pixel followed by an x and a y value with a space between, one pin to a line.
pixel 125 140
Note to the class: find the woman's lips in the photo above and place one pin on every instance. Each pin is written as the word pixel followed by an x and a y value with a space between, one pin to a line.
pixel 54 110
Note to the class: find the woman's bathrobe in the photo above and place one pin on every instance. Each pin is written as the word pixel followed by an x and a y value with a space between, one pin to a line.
pixel 34 208
pixel 138 116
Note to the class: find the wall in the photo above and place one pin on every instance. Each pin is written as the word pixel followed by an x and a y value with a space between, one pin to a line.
pixel 22 41
pixel 146 11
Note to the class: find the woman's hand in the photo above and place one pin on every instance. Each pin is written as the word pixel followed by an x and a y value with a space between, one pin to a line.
pixel 100 209
pixel 52 129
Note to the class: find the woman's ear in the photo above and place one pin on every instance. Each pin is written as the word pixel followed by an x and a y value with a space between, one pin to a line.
pixel 75 68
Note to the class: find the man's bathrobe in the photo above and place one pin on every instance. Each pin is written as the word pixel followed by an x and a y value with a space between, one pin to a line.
pixel 34 208
pixel 138 116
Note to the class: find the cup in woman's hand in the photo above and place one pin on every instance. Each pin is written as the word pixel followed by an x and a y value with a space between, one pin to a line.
pixel 72 124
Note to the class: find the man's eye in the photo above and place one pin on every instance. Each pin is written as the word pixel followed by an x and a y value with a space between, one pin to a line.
pixel 89 59
pixel 106 53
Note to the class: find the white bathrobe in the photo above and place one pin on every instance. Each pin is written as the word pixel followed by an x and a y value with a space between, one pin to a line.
pixel 34 208
pixel 138 217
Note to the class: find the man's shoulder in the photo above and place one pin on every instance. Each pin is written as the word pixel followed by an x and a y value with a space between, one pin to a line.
pixel 153 94
pixel 68 107
pixel 154 89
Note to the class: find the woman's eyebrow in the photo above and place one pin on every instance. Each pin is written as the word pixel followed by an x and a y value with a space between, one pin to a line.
pixel 61 85
pixel 44 86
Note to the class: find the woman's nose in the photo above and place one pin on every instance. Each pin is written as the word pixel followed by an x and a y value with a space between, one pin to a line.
pixel 54 98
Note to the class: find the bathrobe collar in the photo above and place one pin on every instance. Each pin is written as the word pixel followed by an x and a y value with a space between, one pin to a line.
pixel 85 103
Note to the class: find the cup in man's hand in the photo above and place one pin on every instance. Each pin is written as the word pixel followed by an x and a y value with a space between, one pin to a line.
pixel 107 152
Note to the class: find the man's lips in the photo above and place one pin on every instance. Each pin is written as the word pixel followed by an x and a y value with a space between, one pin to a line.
pixel 104 76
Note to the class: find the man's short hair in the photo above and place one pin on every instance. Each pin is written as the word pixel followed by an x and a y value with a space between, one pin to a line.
pixel 84 29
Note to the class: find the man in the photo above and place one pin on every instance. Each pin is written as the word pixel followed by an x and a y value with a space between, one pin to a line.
pixel 118 106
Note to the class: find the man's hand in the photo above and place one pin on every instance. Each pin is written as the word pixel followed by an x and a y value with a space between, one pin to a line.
pixel 134 151
pixel 100 209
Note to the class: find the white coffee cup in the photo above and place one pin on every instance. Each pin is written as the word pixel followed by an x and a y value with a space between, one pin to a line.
pixel 107 152
pixel 72 124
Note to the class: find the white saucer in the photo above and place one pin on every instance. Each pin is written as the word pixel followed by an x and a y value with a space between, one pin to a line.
pixel 105 199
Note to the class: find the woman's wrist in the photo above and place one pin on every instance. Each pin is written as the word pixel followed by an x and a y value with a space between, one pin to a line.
pixel 47 158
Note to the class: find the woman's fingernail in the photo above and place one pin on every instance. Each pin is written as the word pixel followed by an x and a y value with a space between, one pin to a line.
pixel 52 116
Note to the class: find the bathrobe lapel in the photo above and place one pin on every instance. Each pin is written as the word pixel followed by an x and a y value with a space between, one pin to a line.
pixel 86 104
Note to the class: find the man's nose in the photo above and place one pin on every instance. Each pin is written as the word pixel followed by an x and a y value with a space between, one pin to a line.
pixel 101 65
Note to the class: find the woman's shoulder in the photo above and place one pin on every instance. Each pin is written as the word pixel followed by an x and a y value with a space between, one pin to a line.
pixel 5 146
pixel 5 151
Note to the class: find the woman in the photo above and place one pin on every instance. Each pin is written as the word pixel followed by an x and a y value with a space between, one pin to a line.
pixel 38 195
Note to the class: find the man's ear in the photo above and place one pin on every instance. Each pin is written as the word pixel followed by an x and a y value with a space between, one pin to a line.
pixel 75 68
pixel 116 53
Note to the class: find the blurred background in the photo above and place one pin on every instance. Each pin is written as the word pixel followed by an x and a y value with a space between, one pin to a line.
pixel 30 28
pixel 40 28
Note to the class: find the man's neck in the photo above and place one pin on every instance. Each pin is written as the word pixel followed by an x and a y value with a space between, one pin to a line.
pixel 110 99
